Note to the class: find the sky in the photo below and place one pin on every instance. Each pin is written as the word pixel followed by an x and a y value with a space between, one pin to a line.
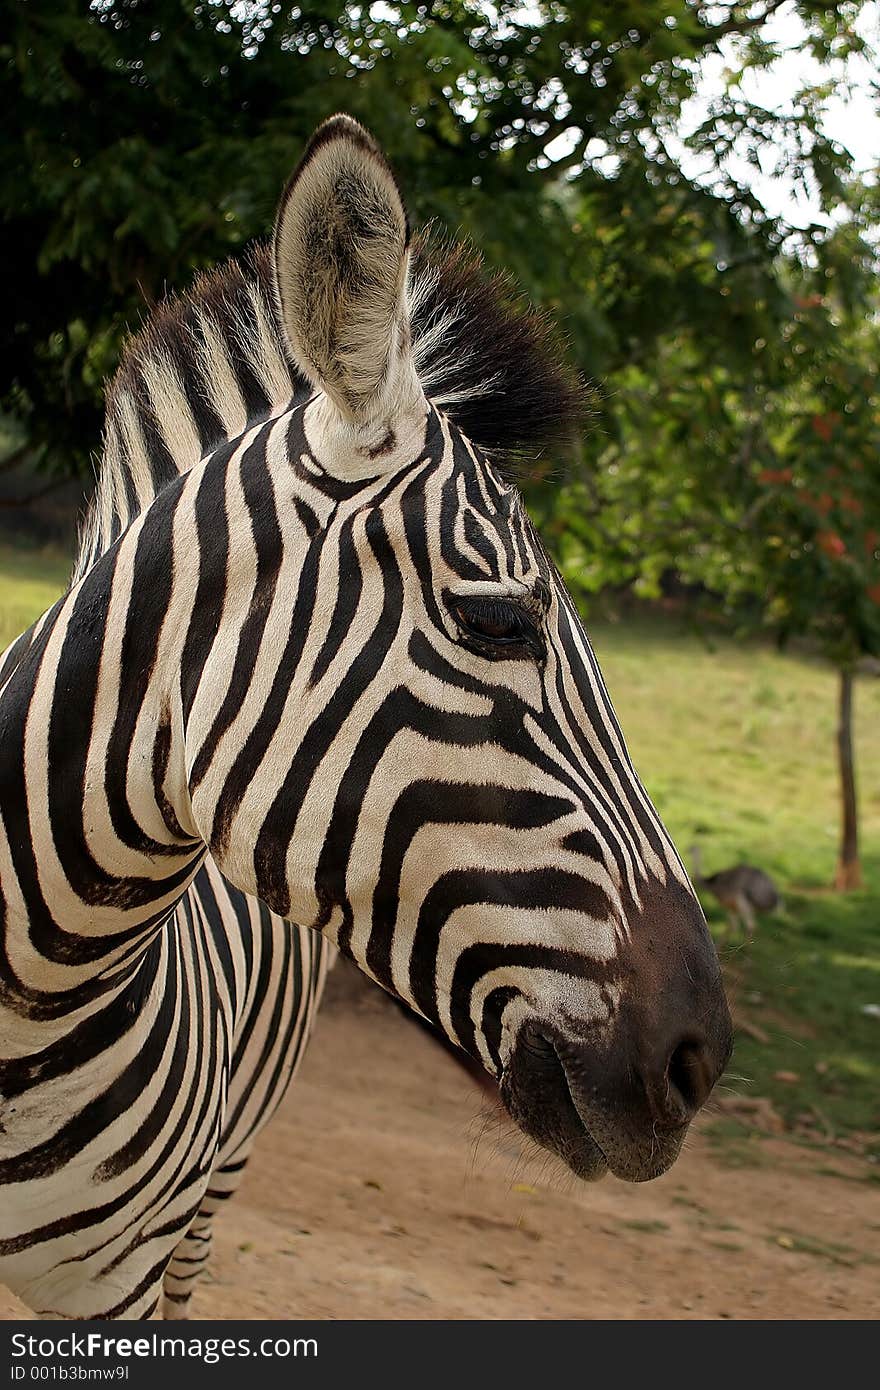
pixel 854 123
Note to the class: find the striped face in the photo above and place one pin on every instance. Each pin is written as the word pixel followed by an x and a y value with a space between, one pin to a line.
pixel 445 792
pixel 425 764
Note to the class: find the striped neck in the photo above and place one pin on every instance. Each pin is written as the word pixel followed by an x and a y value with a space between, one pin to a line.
pixel 98 761
pixel 96 832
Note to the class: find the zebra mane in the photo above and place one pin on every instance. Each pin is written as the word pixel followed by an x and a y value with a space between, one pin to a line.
pixel 495 364
pixel 211 361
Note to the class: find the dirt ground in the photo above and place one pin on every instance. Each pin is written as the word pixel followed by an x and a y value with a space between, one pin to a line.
pixel 388 1186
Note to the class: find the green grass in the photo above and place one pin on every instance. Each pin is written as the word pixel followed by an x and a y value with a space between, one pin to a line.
pixel 30 582
pixel 736 746
pixel 831 1251
pixel 736 1145
pixel 647 1227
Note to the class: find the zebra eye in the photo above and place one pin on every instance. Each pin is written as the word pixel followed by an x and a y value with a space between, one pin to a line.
pixel 496 622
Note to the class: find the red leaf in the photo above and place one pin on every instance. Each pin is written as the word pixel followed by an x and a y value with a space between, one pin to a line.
pixel 831 543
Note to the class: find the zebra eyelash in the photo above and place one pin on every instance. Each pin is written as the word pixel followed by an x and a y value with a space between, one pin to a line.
pixel 517 634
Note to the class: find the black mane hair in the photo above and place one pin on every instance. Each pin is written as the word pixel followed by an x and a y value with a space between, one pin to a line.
pixel 493 362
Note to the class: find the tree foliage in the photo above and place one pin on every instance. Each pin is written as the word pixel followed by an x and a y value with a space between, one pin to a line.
pixel 755 475
pixel 146 138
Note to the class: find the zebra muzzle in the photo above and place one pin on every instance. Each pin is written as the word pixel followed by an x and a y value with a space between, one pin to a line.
pixel 598 1108
pixel 536 1092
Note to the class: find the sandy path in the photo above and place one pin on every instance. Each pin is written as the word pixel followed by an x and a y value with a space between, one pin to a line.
pixel 381 1191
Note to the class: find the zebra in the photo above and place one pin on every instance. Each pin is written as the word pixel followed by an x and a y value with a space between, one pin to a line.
pixel 316 685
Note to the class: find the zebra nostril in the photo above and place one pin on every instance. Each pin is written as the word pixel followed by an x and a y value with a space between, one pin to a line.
pixel 690 1076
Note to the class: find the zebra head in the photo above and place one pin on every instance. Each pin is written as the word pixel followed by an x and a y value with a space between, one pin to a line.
pixel 436 778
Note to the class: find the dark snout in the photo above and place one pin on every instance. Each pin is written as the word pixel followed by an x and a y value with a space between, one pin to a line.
pixel 621 1095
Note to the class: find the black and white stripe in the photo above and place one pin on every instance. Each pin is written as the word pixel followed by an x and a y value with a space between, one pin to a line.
pixel 316 668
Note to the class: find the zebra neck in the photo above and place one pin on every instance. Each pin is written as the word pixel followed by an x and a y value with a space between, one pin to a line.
pixel 96 839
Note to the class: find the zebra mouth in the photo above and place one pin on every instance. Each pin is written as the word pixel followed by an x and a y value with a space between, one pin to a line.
pixel 570 1098
pixel 536 1090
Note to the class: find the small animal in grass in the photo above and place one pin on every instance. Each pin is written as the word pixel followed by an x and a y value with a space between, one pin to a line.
pixel 742 891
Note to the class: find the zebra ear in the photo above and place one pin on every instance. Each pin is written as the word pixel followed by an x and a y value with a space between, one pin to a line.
pixel 341 259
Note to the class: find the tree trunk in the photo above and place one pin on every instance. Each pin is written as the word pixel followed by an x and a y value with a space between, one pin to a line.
pixel 849 873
